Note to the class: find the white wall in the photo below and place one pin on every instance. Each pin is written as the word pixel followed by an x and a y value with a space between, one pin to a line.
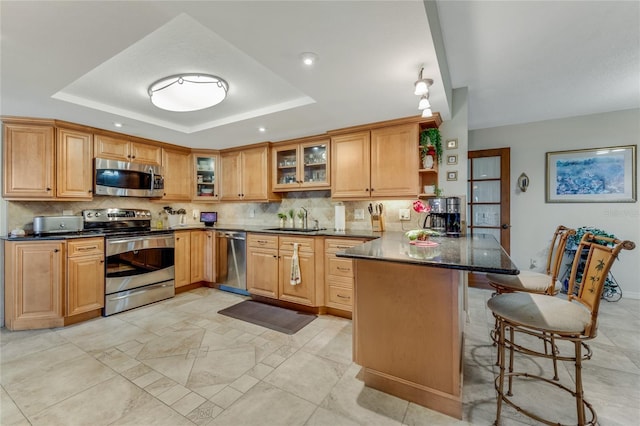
pixel 533 221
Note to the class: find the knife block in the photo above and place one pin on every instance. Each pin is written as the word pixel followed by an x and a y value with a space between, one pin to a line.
pixel 377 222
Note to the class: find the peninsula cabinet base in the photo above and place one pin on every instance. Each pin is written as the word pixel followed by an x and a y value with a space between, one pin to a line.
pixel 408 332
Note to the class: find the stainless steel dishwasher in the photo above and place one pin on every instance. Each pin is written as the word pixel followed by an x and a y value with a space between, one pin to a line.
pixel 231 265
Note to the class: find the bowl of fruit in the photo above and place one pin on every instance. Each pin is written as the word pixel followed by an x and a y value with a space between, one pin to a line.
pixel 421 237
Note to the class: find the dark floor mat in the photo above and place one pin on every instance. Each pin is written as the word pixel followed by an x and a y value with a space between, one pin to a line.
pixel 280 319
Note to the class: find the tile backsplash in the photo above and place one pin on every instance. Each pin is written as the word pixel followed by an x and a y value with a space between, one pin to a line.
pixel 318 203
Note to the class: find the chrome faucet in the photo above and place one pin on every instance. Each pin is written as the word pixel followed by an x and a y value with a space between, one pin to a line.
pixel 304 219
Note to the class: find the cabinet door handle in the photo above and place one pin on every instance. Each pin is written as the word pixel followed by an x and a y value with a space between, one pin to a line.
pixel 371 189
pixel 343 297
pixel 87 248
pixel 56 250
pixel 102 261
pixel 48 189
pixel 343 247
pixel 342 269
pixel 366 189
pixel 90 191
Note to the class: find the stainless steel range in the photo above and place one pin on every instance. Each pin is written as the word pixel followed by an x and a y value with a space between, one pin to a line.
pixel 139 267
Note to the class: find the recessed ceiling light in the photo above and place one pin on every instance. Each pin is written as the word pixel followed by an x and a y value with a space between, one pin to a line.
pixel 309 58
pixel 116 124
pixel 262 129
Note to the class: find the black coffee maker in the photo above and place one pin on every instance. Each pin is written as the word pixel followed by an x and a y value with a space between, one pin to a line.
pixel 444 216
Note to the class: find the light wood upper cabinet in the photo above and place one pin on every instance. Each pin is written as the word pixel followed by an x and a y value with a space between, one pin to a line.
pixel 28 162
pixel 301 166
pixel 245 175
pixel 207 169
pixel 178 181
pixel 34 277
pixel 74 164
pixel 378 163
pixel 351 165
pixel 394 163
pixel 85 275
pixel 124 150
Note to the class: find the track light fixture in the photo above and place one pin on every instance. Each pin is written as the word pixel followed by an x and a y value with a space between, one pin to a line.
pixel 421 88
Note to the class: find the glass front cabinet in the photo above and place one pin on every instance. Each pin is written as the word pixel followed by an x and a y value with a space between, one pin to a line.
pixel 301 166
pixel 206 185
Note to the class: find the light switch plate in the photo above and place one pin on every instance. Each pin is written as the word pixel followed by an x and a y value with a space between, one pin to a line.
pixel 404 214
pixel 358 214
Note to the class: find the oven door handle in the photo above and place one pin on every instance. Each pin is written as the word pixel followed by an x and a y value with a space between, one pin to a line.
pixel 136 239
pixel 131 293
pixel 153 178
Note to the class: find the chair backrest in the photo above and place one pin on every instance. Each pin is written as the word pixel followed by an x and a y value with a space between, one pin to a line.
pixel 556 253
pixel 600 254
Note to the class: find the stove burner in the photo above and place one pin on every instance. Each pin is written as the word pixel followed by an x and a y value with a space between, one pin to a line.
pixel 117 221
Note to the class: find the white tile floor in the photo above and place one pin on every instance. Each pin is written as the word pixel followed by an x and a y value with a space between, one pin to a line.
pixel 178 362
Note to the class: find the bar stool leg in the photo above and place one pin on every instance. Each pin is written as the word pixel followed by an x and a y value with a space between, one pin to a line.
pixel 501 355
pixel 555 359
pixel 511 337
pixel 579 392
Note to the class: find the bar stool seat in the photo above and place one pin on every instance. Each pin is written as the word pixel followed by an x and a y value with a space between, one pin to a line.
pixel 528 281
pixel 541 312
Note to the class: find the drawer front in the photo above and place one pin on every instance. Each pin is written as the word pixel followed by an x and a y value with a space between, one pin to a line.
pixel 262 241
pixel 305 244
pixel 85 246
pixel 340 297
pixel 335 245
pixel 340 267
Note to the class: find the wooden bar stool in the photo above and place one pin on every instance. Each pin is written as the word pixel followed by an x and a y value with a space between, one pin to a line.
pixel 536 282
pixel 573 320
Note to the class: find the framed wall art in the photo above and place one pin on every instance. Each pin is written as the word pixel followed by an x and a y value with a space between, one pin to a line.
pixel 452 159
pixel 452 144
pixel 452 175
pixel 599 175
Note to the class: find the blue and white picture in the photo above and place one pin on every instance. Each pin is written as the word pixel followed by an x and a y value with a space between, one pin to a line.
pixel 592 175
pixel 595 175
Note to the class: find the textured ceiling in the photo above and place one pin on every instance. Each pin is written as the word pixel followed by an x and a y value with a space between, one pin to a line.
pixel 92 62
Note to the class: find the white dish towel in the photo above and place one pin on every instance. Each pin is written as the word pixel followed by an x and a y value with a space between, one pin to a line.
pixel 295 267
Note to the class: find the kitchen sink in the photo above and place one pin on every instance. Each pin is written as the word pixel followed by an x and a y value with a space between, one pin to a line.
pixel 294 229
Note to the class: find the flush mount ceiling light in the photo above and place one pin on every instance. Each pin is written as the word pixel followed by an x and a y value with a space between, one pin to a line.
pixel 188 92
pixel 421 86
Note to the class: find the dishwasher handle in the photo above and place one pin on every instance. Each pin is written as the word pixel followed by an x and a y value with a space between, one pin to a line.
pixel 231 235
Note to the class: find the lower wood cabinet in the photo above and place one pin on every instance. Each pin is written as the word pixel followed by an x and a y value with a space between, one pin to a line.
pixel 34 284
pixel 339 274
pixel 269 260
pixel 194 256
pixel 53 283
pixel 262 265
pixel 85 276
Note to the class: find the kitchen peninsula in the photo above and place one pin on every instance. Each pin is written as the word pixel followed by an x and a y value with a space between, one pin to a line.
pixel 409 313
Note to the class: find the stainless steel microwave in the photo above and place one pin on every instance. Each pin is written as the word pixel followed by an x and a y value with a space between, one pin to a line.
pixel 125 179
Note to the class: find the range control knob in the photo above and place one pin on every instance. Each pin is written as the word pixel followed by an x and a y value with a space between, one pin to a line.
pixel 98 214
pixel 89 214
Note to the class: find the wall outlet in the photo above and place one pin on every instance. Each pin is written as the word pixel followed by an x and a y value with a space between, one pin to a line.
pixel 358 214
pixel 195 214
pixel 252 212
pixel 404 214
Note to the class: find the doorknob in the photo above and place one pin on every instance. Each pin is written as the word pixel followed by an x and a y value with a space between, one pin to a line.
pixel 505 226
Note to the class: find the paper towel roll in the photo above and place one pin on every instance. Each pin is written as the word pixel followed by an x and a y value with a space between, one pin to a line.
pixel 339 220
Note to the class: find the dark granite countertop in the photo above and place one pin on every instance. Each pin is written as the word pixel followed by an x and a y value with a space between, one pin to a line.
pixel 480 253
pixel 362 233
